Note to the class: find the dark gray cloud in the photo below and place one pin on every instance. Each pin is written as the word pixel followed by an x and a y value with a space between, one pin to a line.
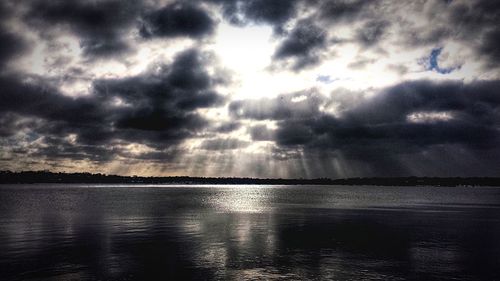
pixel 384 119
pixel 343 10
pixel 100 25
pixel 165 101
pixel 41 100
pixel 474 15
pixel 275 12
pixel 159 110
pixel 12 46
pixel 387 128
pixel 302 45
pixel 490 46
pixel 48 117
pixel 164 104
pixel 177 19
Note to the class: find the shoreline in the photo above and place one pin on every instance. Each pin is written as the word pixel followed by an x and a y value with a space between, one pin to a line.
pixel 34 177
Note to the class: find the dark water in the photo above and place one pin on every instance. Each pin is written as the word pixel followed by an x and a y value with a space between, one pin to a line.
pixel 79 232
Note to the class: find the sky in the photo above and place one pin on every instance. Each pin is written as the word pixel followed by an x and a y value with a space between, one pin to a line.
pixel 251 88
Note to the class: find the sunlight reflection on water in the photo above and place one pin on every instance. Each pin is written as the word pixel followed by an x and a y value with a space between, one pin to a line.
pixel 241 199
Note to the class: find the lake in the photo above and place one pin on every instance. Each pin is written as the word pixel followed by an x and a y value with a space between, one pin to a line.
pixel 142 232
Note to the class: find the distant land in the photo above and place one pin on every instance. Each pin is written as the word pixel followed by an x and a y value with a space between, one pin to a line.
pixel 50 177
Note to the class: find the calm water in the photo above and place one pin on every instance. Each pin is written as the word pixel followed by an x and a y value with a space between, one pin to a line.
pixel 82 232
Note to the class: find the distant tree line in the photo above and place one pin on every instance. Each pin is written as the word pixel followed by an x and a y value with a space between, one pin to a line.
pixel 50 177
pixel 421 181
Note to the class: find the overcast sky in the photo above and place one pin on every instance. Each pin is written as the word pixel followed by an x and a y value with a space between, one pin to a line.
pixel 259 88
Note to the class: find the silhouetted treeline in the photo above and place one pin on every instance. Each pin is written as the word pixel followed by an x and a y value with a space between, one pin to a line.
pixel 49 177
pixel 420 181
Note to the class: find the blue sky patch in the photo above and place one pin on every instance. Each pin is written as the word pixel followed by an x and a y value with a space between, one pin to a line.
pixel 432 63
pixel 326 79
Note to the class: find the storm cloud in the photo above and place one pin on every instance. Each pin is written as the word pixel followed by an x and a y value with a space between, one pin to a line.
pixel 157 109
pixel 101 25
pixel 177 19
pixel 402 120
pixel 302 45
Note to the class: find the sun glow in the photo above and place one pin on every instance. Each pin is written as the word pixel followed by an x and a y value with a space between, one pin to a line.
pixel 247 57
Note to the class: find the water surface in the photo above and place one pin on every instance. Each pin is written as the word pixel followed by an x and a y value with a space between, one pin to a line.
pixel 140 232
